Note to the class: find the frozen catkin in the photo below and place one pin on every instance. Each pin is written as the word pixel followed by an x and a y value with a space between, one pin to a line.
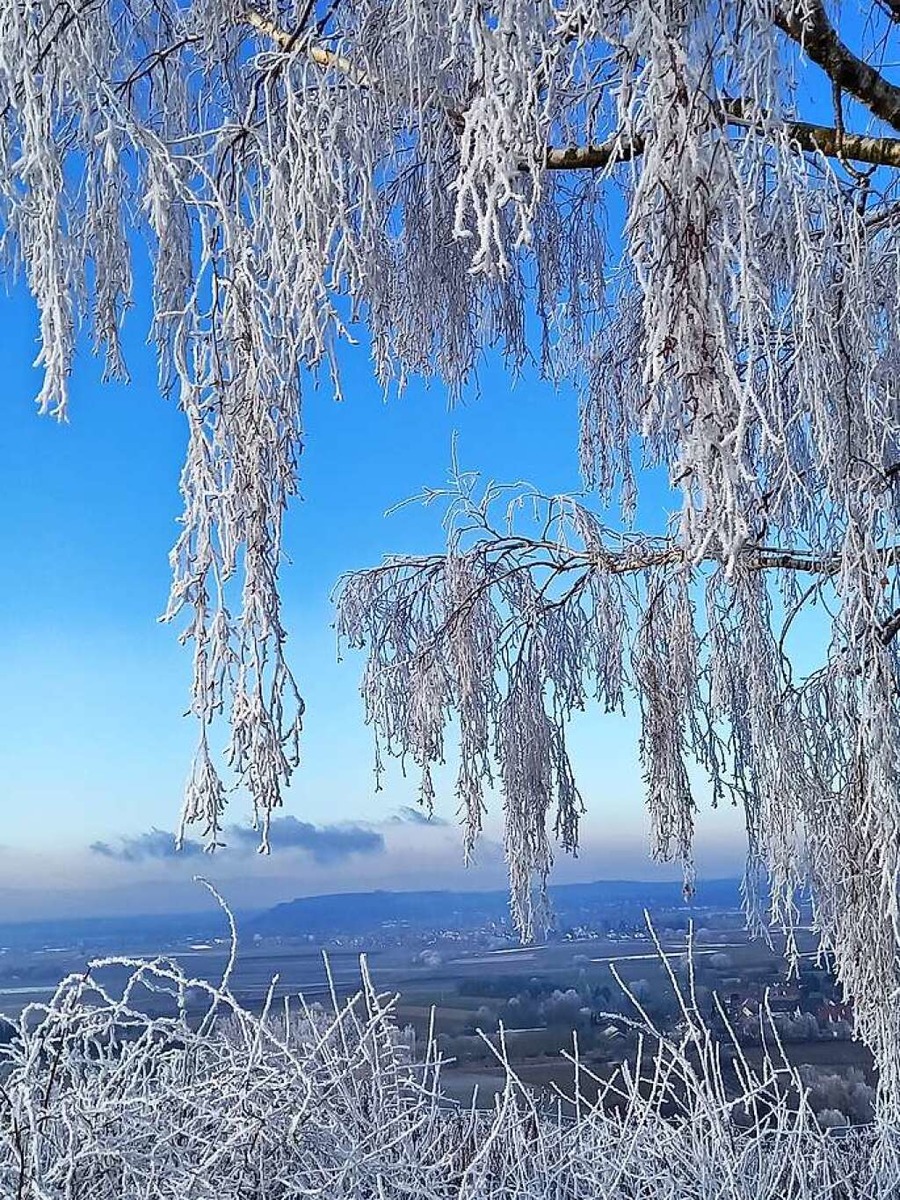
pixel 685 209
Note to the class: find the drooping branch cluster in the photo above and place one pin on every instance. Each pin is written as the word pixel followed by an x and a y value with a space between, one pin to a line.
pixel 511 633
pixel 393 154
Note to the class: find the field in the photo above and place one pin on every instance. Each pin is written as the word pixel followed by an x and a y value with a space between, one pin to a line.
pixel 332 1104
pixel 470 990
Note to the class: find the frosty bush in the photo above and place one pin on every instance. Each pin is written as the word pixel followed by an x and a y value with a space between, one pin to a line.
pixel 101 1101
pixel 846 1092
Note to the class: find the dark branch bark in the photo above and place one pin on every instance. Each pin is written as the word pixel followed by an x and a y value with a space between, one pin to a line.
pixel 825 46
pixel 855 147
pixel 889 629
pixel 813 31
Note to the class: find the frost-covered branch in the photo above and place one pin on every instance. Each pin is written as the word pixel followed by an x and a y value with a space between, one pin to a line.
pixel 814 138
pixel 821 139
pixel 506 636
pixel 724 304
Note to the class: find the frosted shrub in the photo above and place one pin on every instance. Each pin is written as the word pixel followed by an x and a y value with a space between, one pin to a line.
pixel 100 1100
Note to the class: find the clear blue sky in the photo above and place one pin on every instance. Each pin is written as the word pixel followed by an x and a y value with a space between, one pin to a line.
pixel 94 745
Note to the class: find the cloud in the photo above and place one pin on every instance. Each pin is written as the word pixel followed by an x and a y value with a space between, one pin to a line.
pixel 406 815
pixel 154 846
pixel 325 844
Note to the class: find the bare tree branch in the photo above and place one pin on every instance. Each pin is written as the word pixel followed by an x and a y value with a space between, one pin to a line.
pixel 808 25
pixel 879 151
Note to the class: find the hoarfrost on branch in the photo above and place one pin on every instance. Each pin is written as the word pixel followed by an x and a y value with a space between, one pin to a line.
pixel 447 174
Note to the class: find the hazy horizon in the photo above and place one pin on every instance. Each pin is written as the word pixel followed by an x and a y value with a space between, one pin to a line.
pixel 144 875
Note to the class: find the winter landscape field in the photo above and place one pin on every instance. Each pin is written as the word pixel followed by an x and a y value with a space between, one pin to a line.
pixel 328 1099
pixel 205 1071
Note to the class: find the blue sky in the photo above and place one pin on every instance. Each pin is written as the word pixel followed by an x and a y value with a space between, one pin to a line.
pixel 95 747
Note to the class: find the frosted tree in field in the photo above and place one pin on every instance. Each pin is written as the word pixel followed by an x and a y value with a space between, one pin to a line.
pixel 693 207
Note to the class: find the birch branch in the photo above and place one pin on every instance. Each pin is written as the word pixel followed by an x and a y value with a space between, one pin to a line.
pixel 826 140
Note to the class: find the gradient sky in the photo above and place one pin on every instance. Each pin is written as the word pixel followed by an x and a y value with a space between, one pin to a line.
pixel 95 747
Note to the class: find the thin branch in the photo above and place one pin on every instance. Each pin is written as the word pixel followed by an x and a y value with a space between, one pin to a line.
pixel 152 61
pixel 320 56
pixel 562 559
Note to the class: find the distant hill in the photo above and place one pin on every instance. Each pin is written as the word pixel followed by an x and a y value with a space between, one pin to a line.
pixel 360 913
pixel 126 934
pixel 354 913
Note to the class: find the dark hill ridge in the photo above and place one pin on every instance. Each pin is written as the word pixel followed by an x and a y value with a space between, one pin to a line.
pixel 360 912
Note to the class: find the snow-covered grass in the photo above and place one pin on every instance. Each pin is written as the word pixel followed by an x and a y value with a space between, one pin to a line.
pixel 101 1101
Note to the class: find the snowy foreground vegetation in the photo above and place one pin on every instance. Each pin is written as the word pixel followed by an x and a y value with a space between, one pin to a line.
pixel 100 1100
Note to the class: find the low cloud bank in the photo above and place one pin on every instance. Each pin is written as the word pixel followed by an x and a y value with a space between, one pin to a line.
pixel 142 872
pixel 406 815
pixel 325 844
